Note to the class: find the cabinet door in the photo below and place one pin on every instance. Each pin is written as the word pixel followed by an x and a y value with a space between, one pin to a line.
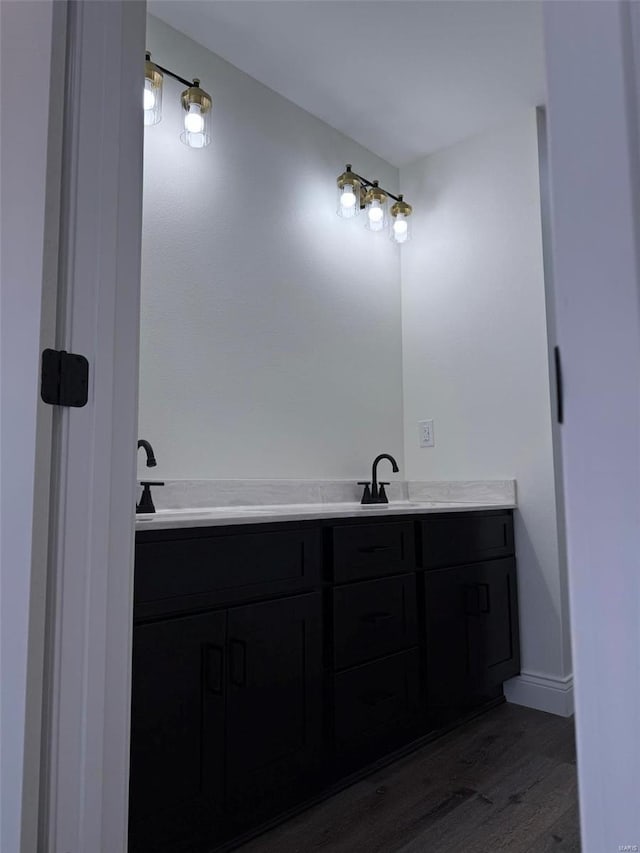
pixel 177 732
pixel 472 642
pixel 274 704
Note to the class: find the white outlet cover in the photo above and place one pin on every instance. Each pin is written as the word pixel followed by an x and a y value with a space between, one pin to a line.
pixel 425 433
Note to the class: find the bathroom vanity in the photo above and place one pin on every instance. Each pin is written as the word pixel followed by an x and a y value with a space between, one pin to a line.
pixel 277 659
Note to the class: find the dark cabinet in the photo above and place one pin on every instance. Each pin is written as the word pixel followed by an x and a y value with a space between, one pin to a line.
pixel 274 704
pixel 471 626
pixel 271 662
pixel 177 732
pixel 182 573
pixel 226 722
pixel 374 618
pixel 451 540
pixel 227 710
pixel 376 693
pixel 377 707
pixel 372 550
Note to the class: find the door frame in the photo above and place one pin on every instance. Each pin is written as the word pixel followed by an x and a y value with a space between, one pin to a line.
pixel 30 183
pixel 86 714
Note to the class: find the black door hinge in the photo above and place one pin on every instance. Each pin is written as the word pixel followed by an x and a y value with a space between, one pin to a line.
pixel 65 378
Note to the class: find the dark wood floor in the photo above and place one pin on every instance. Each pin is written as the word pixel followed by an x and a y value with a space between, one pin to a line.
pixel 503 782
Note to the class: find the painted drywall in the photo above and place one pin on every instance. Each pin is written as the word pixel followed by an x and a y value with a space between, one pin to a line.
pixel 271 332
pixel 475 351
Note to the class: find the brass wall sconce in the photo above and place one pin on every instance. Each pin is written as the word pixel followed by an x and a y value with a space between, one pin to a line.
pixel 195 129
pixel 356 193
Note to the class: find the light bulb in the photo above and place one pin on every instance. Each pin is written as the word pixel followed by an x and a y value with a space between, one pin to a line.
pixel 348 197
pixel 194 123
pixel 400 229
pixel 375 212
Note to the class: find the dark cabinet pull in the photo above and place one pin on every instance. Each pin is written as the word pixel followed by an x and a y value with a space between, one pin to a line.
pixel 213 668
pixel 375 549
pixel 376 618
pixel 483 598
pixel 376 697
pixel 238 663
pixel 476 598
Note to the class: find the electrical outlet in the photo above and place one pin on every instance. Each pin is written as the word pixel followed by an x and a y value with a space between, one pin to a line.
pixel 425 429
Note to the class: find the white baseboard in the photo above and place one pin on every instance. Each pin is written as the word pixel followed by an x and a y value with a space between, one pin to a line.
pixel 542 692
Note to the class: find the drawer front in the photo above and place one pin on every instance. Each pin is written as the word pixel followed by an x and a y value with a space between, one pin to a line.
pixel 462 539
pixel 182 573
pixel 373 618
pixel 377 699
pixel 372 550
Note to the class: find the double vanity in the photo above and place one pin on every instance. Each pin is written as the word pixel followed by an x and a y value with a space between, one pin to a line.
pixel 283 651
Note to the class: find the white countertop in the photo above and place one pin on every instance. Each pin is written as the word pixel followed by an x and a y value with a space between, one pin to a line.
pixel 168 519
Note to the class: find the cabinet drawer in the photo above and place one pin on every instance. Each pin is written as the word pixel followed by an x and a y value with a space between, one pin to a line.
pixel 377 699
pixel 222 569
pixel 373 618
pixel 454 540
pixel 372 550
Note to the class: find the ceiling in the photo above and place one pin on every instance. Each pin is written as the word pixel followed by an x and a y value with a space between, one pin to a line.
pixel 401 77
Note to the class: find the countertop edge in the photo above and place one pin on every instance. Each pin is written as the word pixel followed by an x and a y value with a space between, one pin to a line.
pixel 231 516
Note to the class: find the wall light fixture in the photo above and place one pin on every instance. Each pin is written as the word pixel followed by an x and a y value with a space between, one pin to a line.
pixel 195 128
pixel 356 193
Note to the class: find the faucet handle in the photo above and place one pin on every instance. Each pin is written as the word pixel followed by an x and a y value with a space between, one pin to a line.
pixel 382 495
pixel 146 501
pixel 366 495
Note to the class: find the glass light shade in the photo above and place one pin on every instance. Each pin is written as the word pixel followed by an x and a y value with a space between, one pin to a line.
pixel 196 117
pixel 375 209
pixel 152 103
pixel 348 201
pixel 349 188
pixel 400 230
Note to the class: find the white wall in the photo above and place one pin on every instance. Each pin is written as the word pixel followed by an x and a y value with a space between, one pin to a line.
pixel 271 333
pixel 475 351
pixel 273 338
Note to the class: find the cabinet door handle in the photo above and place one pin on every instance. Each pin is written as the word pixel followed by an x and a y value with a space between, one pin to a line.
pixel 238 663
pixel 213 668
pixel 376 697
pixel 376 618
pixel 375 549
pixel 483 598
pixel 476 599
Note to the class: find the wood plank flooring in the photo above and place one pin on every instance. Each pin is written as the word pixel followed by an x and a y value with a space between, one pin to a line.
pixel 503 783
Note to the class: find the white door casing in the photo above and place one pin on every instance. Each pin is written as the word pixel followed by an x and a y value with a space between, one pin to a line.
pixel 23 162
pixel 85 788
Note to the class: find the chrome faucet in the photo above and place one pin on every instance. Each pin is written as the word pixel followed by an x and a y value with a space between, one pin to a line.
pixel 374 492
